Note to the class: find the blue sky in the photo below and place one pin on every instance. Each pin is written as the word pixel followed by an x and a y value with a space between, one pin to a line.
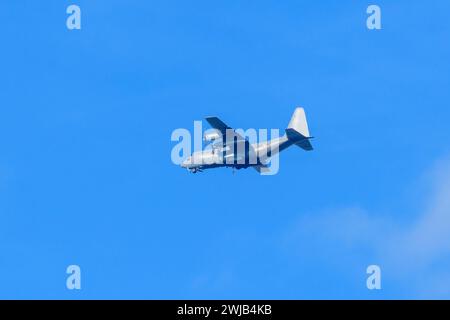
pixel 86 176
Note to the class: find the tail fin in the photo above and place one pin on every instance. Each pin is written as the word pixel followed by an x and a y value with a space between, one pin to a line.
pixel 298 122
pixel 297 130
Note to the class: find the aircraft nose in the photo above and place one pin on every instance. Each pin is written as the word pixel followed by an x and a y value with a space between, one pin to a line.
pixel 185 163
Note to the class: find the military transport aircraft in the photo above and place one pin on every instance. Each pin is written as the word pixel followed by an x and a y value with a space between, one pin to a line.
pixel 231 149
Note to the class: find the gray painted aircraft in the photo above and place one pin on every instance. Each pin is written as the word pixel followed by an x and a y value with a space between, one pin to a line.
pixel 230 149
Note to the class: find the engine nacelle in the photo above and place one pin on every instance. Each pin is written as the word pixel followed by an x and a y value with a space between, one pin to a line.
pixel 211 136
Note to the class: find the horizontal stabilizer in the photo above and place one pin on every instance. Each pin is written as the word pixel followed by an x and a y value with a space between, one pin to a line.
pixel 305 145
pixel 299 139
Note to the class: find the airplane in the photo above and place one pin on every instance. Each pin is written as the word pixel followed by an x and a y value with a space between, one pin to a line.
pixel 230 149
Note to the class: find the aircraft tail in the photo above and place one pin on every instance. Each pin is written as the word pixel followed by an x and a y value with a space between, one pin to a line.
pixel 297 130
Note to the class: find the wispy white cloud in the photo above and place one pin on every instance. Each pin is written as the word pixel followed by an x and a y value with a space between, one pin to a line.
pixel 429 237
pixel 417 254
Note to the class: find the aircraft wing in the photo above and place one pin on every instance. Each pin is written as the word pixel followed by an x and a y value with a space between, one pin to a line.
pixel 218 124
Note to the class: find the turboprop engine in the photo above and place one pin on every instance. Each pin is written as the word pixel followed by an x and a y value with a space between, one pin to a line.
pixel 211 136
